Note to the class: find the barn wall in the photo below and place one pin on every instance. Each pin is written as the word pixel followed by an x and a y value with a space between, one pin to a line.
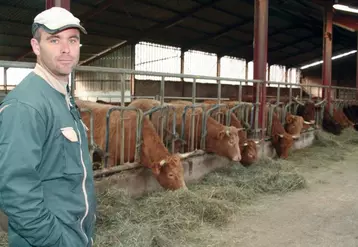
pixel 343 81
pixel 184 89
pixel 316 91
pixel 105 84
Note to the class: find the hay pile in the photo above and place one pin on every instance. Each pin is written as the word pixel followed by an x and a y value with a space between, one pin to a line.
pixel 173 218
pixel 170 218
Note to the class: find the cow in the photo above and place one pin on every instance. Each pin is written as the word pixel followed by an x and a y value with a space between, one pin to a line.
pixel 221 140
pixel 342 119
pixel 166 168
pixel 294 124
pixel 351 112
pixel 329 124
pixel 248 147
pixel 307 110
pixel 280 139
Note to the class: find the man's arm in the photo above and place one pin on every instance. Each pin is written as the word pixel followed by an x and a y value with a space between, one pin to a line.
pixel 22 134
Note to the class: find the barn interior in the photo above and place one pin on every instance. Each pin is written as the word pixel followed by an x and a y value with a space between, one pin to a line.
pixel 250 51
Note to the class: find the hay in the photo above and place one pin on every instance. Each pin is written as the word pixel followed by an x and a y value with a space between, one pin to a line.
pixel 170 218
pixel 173 218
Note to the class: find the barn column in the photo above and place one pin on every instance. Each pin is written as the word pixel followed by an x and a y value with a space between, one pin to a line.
pixel 327 53
pixel 260 58
pixel 357 70
pixel 218 73
pixel 133 68
pixel 58 3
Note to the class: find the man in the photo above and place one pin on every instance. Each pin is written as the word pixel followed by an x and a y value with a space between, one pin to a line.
pixel 46 179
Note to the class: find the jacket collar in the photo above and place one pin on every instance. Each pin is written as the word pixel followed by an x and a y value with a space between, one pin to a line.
pixel 60 86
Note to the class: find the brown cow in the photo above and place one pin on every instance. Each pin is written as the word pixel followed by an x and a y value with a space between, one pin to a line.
pixel 294 124
pixel 341 118
pixel 248 147
pixel 221 140
pixel 307 110
pixel 167 168
pixel 281 140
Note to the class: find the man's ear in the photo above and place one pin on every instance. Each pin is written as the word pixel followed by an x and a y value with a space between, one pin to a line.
pixel 35 46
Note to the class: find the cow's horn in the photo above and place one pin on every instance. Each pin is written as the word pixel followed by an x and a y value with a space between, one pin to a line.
pixel 162 162
pixel 227 131
pixel 320 103
pixel 297 101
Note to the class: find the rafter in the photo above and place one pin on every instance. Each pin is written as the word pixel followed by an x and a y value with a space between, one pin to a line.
pixel 293 43
pixel 216 35
pixel 245 46
pixel 162 25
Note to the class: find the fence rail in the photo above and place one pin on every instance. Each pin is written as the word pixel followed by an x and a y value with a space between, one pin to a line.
pixel 248 112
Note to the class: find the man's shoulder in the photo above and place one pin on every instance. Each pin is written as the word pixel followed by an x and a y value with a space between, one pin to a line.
pixel 29 92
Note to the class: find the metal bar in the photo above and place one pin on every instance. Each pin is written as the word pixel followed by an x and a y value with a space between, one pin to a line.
pixel 162 90
pixel 260 56
pixel 218 72
pixel 5 80
pixel 327 52
pixel 357 69
pixel 97 69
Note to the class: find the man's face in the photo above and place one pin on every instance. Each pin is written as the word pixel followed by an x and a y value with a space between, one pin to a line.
pixel 58 52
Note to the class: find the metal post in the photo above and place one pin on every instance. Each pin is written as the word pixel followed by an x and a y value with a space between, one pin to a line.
pixel 5 80
pixel 327 53
pixel 218 70
pixel 133 68
pixel 182 71
pixel 260 57
pixel 58 3
pixel 357 71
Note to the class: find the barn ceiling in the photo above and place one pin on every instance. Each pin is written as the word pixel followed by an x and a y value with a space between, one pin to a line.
pixel 224 27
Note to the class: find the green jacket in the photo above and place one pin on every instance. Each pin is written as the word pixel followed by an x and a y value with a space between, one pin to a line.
pixel 46 179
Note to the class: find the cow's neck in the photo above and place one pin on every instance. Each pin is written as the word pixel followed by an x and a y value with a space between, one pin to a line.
pixel 153 149
pixel 213 128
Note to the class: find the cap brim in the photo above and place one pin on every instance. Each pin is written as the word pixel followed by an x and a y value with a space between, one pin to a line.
pixel 53 31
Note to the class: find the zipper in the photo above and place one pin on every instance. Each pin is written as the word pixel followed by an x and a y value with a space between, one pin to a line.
pixel 83 184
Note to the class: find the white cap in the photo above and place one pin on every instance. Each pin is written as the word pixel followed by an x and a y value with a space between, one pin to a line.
pixel 56 19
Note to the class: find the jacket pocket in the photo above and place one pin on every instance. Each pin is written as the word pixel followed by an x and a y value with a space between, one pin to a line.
pixel 72 152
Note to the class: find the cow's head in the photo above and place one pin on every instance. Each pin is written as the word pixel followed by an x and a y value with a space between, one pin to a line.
pixel 249 152
pixel 330 125
pixel 169 172
pixel 309 109
pixel 285 142
pixel 294 124
pixel 226 143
